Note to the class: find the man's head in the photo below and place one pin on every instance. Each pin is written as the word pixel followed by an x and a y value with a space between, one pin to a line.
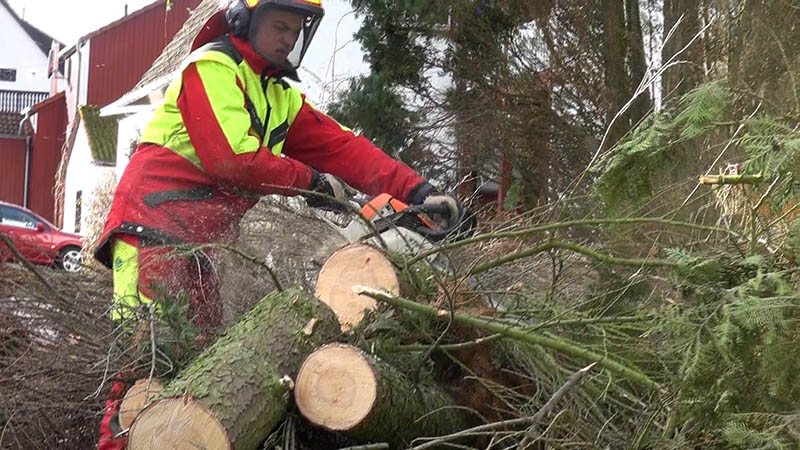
pixel 274 32
pixel 279 30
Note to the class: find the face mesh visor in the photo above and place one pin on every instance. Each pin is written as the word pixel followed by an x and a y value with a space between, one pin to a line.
pixel 310 24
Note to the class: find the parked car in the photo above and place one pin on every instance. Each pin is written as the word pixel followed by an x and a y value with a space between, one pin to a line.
pixel 38 240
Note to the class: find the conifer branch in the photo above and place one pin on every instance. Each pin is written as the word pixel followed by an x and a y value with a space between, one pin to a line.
pixel 569 224
pixel 636 262
pixel 551 342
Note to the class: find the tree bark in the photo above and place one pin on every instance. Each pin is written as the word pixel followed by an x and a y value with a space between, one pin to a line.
pixel 235 393
pixel 684 77
pixel 636 61
pixel 615 47
pixel 341 388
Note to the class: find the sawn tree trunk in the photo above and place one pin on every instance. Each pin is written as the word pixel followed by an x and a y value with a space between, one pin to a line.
pixel 235 393
pixel 341 388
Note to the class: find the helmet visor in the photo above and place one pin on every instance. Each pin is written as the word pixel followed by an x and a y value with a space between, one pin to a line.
pixel 282 35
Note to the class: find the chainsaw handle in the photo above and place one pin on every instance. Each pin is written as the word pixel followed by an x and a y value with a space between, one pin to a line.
pixel 464 226
pixel 441 209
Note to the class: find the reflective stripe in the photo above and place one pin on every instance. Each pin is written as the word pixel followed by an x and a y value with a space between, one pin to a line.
pixel 278 134
pixel 157 198
pixel 127 297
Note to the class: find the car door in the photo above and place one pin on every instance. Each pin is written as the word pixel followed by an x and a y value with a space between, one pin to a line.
pixel 28 234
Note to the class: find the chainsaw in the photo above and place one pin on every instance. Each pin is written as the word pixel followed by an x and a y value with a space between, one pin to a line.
pixel 391 224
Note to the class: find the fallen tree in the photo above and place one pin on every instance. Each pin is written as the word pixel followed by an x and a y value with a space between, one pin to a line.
pixel 235 392
pixel 341 388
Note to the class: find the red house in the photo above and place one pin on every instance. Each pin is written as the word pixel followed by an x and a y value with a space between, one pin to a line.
pixel 97 70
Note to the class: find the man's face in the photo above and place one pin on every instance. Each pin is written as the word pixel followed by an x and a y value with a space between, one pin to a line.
pixel 276 33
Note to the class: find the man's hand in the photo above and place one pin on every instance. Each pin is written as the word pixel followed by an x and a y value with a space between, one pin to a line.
pixel 328 192
pixel 453 206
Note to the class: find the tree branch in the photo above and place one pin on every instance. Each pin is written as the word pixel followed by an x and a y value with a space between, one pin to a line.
pixel 512 332
pixel 637 262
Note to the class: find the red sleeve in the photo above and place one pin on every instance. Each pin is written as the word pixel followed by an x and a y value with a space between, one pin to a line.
pixel 319 141
pixel 260 171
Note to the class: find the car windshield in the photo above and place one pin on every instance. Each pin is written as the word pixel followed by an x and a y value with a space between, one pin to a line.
pixel 17 218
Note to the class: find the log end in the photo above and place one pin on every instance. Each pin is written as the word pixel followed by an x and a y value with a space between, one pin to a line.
pixel 137 397
pixel 177 423
pixel 336 387
pixel 353 265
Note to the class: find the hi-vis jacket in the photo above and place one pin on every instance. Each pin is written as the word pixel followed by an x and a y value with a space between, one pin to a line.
pixel 230 129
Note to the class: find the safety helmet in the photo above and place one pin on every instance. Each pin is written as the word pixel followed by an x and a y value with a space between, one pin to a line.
pixel 242 18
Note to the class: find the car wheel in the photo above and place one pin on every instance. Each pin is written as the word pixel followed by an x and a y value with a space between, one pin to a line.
pixel 70 259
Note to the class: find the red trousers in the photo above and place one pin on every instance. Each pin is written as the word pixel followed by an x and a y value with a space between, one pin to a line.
pixel 162 270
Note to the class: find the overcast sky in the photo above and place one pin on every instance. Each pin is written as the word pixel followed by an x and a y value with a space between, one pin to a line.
pixel 69 20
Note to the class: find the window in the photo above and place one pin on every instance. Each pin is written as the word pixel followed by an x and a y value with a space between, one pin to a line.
pixel 78 203
pixel 8 74
pixel 17 218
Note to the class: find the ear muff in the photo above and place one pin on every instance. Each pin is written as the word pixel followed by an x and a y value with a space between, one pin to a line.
pixel 237 15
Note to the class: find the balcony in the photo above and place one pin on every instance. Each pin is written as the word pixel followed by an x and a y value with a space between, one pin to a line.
pixel 16 101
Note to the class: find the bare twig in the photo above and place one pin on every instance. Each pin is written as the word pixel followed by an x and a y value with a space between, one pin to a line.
pixel 378 446
pixel 548 407
pixel 29 266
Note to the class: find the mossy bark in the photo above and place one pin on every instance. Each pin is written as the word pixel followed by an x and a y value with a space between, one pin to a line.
pixel 238 378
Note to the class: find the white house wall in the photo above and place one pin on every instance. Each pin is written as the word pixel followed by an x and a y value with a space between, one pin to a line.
pixel 77 80
pixel 18 51
pixel 130 130
pixel 84 176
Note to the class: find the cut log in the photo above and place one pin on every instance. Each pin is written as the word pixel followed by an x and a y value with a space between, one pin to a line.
pixel 235 393
pixel 137 397
pixel 341 388
pixel 350 266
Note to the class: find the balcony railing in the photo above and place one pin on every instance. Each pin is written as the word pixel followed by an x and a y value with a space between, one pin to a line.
pixel 16 101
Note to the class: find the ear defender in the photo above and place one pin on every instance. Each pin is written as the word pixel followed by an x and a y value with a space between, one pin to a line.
pixel 237 15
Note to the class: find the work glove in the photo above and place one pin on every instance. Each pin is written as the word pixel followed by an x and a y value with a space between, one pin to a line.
pixel 427 195
pixel 327 192
pixel 454 208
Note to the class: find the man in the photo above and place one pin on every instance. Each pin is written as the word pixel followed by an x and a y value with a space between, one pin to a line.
pixel 231 129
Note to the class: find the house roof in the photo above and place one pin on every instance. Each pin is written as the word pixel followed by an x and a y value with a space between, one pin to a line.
pixel 9 122
pixel 43 40
pixel 177 50
pixel 52 99
pixel 102 134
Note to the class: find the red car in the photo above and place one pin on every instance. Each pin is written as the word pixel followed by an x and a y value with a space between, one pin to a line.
pixel 38 240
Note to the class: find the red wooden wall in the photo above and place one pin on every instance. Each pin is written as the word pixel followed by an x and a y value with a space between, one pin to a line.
pixel 121 52
pixel 51 125
pixel 12 168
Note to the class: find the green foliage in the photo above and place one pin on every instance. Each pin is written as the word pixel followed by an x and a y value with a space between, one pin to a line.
pixel 627 177
pixel 720 271
pixel 773 147
pixel 377 110
pixel 700 108
pixel 793 242
pixel 743 436
pixel 397 36
pixel 736 338
pixel 513 196
pixel 650 152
